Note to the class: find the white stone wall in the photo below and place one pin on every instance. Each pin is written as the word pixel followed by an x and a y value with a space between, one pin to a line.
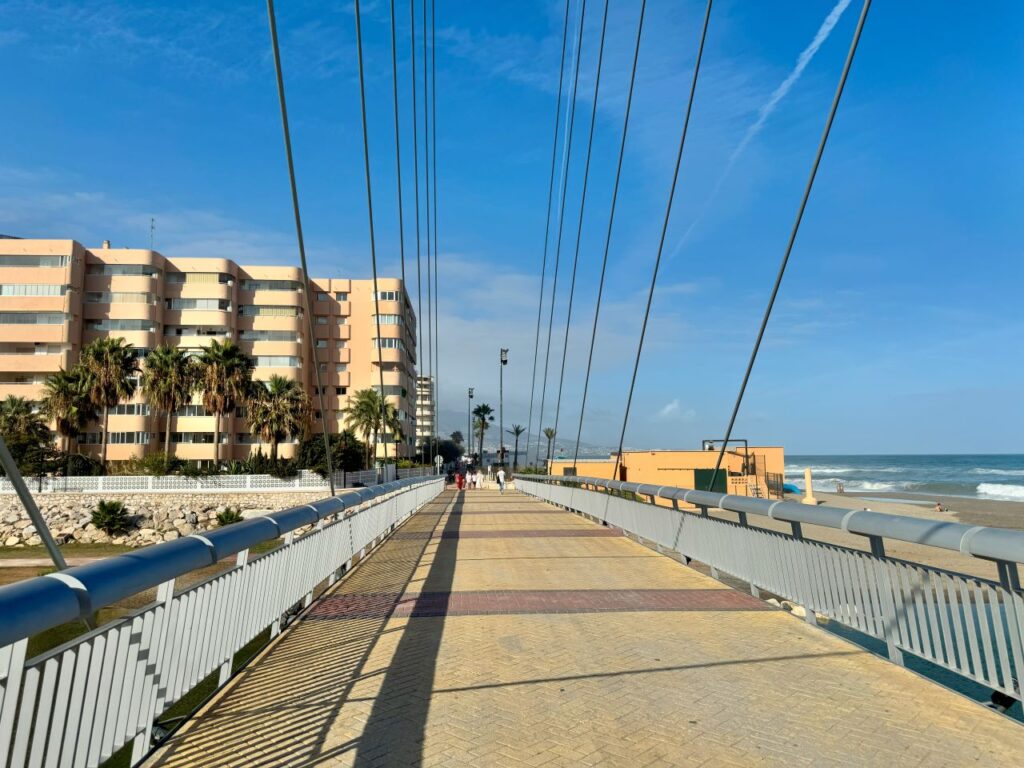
pixel 158 517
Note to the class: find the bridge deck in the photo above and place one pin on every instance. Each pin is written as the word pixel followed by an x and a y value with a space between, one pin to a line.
pixel 497 630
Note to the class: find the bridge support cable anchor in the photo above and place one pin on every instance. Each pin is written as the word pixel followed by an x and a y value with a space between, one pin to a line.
pixel 793 233
pixel 664 232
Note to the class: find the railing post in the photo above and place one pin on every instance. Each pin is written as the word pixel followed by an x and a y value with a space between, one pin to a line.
pixel 1009 576
pixel 12 670
pixel 158 642
pixel 275 627
pixel 241 560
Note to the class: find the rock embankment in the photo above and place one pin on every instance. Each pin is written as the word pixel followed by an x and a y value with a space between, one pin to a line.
pixel 157 516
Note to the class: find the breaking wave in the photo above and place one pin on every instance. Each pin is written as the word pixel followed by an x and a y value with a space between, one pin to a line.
pixel 1001 491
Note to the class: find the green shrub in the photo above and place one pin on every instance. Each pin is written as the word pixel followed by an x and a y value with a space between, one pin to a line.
pixel 229 516
pixel 112 518
pixel 79 465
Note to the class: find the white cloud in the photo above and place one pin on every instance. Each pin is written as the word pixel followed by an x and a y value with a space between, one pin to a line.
pixel 673 411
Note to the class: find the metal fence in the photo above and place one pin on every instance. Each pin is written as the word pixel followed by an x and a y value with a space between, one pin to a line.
pixel 972 626
pixel 79 703
pixel 303 481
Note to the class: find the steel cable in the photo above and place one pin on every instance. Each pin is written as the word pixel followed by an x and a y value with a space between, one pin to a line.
pixel 608 235
pixel 793 233
pixel 369 208
pixel 583 204
pixel 437 290
pixel 664 230
pixel 561 221
pixel 420 348
pixel 298 233
pixel 547 226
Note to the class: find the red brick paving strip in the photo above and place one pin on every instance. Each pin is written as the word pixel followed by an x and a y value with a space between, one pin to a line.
pixel 538 601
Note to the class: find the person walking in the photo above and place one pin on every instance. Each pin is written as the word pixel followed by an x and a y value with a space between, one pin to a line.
pixel 459 480
pixel 501 480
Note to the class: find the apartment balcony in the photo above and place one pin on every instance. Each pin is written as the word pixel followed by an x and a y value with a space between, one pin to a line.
pixel 209 290
pixel 272 298
pixel 388 356
pixel 141 339
pixel 267 347
pixel 127 283
pixel 125 311
pixel 270 323
pixel 32 363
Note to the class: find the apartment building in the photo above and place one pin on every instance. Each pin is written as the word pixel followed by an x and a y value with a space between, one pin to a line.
pixel 425 409
pixel 57 296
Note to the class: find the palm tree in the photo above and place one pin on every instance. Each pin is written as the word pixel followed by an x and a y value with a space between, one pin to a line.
pixel 482 423
pixel 66 401
pixel 225 379
pixel 278 409
pixel 549 433
pixel 168 382
pixel 26 435
pixel 363 415
pixel 110 366
pixel 17 418
pixel 456 437
pixel 516 431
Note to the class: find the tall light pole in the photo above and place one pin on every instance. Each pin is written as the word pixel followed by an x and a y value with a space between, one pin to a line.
pixel 469 423
pixel 503 357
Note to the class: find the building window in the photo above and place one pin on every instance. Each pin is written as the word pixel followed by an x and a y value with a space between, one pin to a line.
pixel 199 278
pixel 321 343
pixel 222 305
pixel 195 438
pixel 116 438
pixel 130 409
pixel 260 310
pixel 390 344
pixel 195 330
pixel 343 344
pixel 386 296
pixel 31 348
pixel 321 320
pixel 389 319
pixel 33 289
pixel 118 297
pixel 30 260
pixel 32 318
pixel 269 336
pixel 341 368
pixel 341 390
pixel 192 409
pixel 341 296
pixel 322 367
pixel 321 296
pixel 271 285
pixel 119 325
pixel 140 270
pixel 343 320
pixel 277 361
pixel 245 438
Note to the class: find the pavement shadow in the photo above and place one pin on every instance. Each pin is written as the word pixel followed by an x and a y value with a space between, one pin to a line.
pixel 285 710
pixel 395 730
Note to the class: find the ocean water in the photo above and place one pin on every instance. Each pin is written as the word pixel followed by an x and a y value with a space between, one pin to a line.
pixel 998 476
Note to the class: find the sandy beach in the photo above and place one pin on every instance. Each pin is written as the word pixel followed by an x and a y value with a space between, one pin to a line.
pixel 1000 514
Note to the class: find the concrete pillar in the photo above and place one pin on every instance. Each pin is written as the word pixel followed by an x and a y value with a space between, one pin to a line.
pixel 809 495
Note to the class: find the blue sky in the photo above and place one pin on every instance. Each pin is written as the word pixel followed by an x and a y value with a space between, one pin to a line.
pixel 898 328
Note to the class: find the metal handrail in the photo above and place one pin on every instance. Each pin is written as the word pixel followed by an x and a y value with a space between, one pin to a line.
pixel 35 605
pixel 1000 544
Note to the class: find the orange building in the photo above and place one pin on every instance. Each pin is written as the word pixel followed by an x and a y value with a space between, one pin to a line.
pixel 57 296
pixel 746 471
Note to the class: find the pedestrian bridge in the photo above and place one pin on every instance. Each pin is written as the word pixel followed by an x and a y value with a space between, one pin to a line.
pixel 431 626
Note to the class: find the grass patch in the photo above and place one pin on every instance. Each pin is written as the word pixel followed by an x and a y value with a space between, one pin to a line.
pixel 68 550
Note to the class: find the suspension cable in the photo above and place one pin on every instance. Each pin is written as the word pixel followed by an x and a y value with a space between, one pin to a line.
pixel 793 233
pixel 437 290
pixel 583 205
pixel 373 242
pixel 420 348
pixel 664 230
pixel 547 226
pixel 608 235
pixel 398 145
pixel 561 221
pixel 426 184
pixel 298 233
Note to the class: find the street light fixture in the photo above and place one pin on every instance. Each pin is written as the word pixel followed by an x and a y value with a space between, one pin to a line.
pixel 469 423
pixel 503 357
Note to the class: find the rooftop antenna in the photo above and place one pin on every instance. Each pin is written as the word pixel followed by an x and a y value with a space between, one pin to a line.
pixel 152 231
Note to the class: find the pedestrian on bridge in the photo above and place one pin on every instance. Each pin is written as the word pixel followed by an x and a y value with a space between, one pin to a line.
pixel 501 480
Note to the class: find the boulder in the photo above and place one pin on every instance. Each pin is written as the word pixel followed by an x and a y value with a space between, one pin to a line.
pixel 12 541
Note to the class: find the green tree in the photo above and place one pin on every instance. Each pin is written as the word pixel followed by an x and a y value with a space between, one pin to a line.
pixel 225 380
pixel 66 402
pixel 110 367
pixel 516 431
pixel 482 423
pixel 27 437
pixel 456 437
pixel 278 409
pixel 168 381
pixel 362 414
pixel 549 433
pixel 346 453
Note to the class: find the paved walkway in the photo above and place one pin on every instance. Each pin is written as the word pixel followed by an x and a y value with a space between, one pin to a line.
pixel 499 631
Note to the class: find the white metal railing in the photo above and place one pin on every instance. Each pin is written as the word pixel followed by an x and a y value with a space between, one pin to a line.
pixel 79 703
pixel 969 625
pixel 304 481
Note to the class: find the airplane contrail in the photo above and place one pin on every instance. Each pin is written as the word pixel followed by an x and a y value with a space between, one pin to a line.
pixel 766 111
